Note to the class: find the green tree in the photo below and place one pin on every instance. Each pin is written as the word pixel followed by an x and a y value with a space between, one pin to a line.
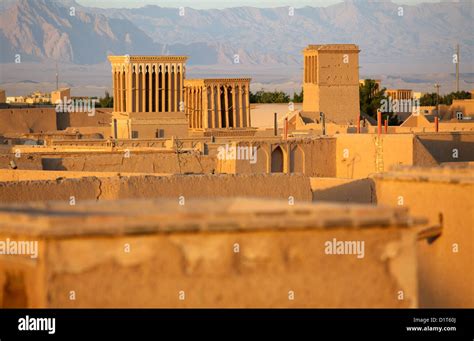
pixel 298 98
pixel 262 96
pixel 107 101
pixel 428 99
pixel 371 97
pixel 448 99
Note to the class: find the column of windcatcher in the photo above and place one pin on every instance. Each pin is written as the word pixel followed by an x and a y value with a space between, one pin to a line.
pixel 145 88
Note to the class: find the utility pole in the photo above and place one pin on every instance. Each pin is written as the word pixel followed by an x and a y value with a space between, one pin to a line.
pixel 457 68
pixel 437 86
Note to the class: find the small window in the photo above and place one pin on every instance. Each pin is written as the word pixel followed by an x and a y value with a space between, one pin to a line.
pixel 459 115
pixel 134 134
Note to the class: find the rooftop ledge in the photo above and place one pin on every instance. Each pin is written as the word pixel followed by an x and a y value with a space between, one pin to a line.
pixel 455 172
pixel 125 217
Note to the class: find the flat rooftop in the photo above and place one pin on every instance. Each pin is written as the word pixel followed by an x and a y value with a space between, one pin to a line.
pixel 126 217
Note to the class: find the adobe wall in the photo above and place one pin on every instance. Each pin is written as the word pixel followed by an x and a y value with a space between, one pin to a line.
pixel 117 161
pixel 312 157
pixel 28 162
pixel 444 196
pixel 25 175
pixel 343 190
pixel 356 154
pixel 449 147
pixel 33 120
pixel 101 118
pixel 136 162
pixel 189 186
pixel 243 253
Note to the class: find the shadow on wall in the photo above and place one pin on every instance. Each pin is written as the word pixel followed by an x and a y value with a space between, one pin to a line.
pixel 63 120
pixel 452 147
pixel 52 164
pixel 343 190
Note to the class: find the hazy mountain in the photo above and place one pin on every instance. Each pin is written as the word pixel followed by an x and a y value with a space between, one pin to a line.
pixel 41 29
pixel 44 29
pixel 385 31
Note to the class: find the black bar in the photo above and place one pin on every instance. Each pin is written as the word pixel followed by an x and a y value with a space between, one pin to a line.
pixel 307 324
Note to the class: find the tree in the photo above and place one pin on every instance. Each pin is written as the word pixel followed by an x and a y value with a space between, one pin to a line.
pixel 429 99
pixel 448 99
pixel 373 99
pixel 107 101
pixel 262 96
pixel 298 98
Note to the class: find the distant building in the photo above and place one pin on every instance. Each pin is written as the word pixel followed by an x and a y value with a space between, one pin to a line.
pixel 214 104
pixel 147 90
pixel 331 83
pixel 462 108
pixel 36 97
pixel 403 102
pixel 152 99
pixel 3 99
pixel 60 95
pixel 16 99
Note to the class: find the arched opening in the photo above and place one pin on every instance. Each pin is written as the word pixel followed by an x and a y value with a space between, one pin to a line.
pixel 147 90
pixel 223 108
pixel 178 89
pixel 160 91
pixel 277 160
pixel 140 90
pixel 153 90
pixel 297 160
pixel 172 89
pixel 124 93
pixel 167 89
pixel 216 112
pixel 134 91
pixel 243 101
pixel 230 108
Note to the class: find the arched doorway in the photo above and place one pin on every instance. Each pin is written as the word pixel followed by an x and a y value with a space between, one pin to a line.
pixel 297 160
pixel 277 160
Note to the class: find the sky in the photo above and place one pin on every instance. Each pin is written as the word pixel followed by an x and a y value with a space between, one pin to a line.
pixel 204 4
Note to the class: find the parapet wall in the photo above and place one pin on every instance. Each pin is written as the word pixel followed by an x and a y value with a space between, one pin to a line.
pixel 445 196
pixel 361 155
pixel 449 147
pixel 343 190
pixel 187 186
pixel 239 253
pixel 34 120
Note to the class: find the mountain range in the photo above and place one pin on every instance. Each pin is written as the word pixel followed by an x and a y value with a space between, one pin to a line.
pixel 386 32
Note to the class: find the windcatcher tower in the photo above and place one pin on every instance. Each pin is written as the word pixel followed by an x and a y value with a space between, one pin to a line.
pixel 331 82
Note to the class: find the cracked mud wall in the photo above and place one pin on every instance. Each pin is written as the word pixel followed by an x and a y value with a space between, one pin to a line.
pixel 205 267
pixel 199 186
